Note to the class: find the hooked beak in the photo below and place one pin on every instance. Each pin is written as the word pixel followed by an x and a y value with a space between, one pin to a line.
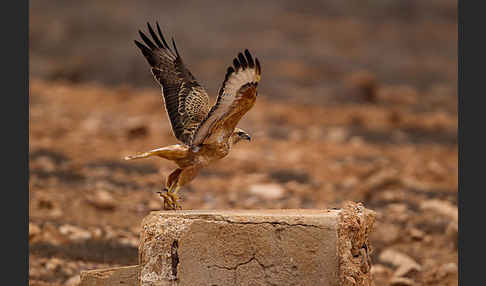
pixel 246 137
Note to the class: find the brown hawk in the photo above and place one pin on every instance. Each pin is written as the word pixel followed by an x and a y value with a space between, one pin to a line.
pixel 206 133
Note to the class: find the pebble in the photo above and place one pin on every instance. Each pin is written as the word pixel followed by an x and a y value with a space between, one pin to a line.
pixel 447 269
pixel 34 230
pixel 74 233
pixel 73 281
pixel 267 191
pixel 416 233
pixel 452 232
pixel 51 233
pixel 337 135
pixel 401 281
pixel 443 208
pixel 53 264
pixel 404 263
pixel 387 233
pixel 379 269
pixel 103 200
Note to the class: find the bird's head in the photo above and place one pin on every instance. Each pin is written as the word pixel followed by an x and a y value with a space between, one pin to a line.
pixel 240 134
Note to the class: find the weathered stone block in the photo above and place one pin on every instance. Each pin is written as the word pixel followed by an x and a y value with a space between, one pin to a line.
pixel 258 247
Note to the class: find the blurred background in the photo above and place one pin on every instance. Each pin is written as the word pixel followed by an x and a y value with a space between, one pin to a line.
pixel 358 101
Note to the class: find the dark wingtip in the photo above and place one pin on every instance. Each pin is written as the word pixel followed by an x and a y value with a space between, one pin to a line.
pixel 147 40
pixel 140 45
pixel 161 36
pixel 148 54
pixel 242 60
pixel 236 63
pixel 229 71
pixel 175 47
pixel 154 36
pixel 249 59
pixel 258 67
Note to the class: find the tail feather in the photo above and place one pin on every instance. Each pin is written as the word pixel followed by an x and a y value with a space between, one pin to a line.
pixel 173 152
pixel 137 156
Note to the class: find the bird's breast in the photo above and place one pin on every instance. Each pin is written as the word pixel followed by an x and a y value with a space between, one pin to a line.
pixel 210 153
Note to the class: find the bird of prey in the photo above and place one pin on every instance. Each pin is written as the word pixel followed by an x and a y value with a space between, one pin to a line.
pixel 207 133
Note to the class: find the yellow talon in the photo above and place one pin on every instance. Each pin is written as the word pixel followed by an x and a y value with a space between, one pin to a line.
pixel 174 198
pixel 170 199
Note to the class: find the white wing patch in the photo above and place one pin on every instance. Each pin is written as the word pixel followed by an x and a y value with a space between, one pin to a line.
pixel 237 80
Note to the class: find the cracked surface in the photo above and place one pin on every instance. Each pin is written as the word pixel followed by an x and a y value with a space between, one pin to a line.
pixel 265 247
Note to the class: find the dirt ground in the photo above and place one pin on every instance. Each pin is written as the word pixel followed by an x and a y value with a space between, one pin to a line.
pixel 356 103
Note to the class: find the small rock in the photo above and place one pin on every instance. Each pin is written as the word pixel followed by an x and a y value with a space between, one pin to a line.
pixel 103 200
pixel 46 163
pixel 34 230
pixel 380 270
pixel 366 85
pixel 447 269
pixel 350 182
pixel 380 180
pixel 73 281
pixel 74 233
pixel 397 208
pixel 404 263
pixel 387 233
pixel 452 232
pixel 45 203
pixel 51 233
pixel 337 135
pixel 406 270
pixel 416 234
pixel 91 124
pixel 110 233
pixel 53 264
pixel 129 239
pixel 443 208
pixel 55 213
pixel 97 233
pixel 267 191
pixel 401 281
pixel 398 211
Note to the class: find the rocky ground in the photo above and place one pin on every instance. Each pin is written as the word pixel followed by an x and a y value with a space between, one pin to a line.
pixel 86 203
pixel 356 103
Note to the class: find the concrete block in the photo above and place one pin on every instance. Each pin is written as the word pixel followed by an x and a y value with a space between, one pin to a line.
pixel 256 247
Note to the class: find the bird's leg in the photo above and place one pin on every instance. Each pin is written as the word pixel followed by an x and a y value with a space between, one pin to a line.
pixel 168 203
pixel 172 193
pixel 172 182
pixel 180 178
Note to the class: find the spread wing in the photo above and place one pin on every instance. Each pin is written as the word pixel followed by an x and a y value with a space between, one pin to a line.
pixel 186 102
pixel 236 96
